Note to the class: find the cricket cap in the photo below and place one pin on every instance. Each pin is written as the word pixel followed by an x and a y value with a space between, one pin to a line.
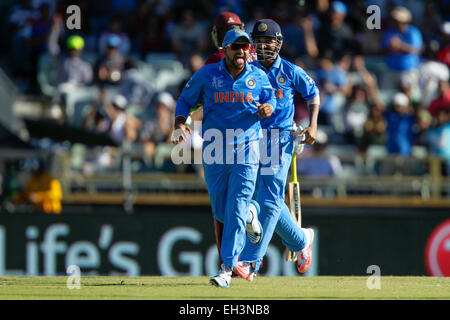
pixel 234 34
pixel 266 28
pixel 75 42
pixel 339 7
pixel 120 102
pixel 401 14
pixel 113 41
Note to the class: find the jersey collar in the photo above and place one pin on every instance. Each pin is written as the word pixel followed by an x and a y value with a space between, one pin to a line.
pixel 275 65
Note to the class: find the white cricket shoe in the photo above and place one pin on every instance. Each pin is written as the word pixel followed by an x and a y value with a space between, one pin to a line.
pixel 223 278
pixel 254 227
pixel 304 255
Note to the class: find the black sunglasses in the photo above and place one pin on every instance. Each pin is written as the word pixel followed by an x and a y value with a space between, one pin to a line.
pixel 239 45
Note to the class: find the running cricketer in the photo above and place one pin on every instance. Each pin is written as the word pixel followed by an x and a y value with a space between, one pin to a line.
pixel 235 96
pixel 286 78
pixel 224 22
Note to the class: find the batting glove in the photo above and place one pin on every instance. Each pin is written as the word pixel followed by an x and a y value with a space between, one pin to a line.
pixel 299 144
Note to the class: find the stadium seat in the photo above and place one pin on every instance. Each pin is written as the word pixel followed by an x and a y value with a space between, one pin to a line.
pixel 169 71
pixel 373 154
pixel 76 102
pixel 152 58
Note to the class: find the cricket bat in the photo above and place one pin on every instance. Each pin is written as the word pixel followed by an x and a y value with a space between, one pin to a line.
pixel 293 202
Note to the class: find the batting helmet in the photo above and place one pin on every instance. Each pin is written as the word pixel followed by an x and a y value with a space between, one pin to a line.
pixel 224 22
pixel 267 28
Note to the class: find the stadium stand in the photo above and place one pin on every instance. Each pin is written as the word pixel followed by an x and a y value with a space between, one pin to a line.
pixel 356 100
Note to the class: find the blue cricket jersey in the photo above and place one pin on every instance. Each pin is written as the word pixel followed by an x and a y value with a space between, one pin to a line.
pixel 286 78
pixel 228 103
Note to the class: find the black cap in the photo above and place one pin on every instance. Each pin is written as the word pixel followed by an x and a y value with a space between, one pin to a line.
pixel 266 28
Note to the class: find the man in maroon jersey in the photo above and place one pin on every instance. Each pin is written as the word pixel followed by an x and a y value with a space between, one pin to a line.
pixel 223 22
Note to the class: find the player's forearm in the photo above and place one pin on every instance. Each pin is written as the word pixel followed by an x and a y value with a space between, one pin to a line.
pixel 182 109
pixel 313 107
pixel 407 48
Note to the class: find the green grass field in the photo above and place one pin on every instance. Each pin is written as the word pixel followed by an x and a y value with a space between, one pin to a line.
pixel 198 288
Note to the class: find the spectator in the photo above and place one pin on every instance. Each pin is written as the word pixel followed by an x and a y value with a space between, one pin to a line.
pixel 368 79
pixel 109 67
pixel 400 125
pixel 335 34
pixel 317 164
pixel 356 112
pixel 195 63
pixel 115 28
pixel 433 23
pixel 41 29
pixel 374 131
pixel 20 25
pixel 72 70
pixel 423 125
pixel 188 37
pixel 43 191
pixel 443 99
pixel 158 130
pixel 98 14
pixel 256 13
pixel 402 44
pixel 96 120
pixel 444 53
pixel 438 138
pixel 153 37
pixel 431 72
pixel 298 38
pixel 38 42
pixel 333 82
pixel 124 126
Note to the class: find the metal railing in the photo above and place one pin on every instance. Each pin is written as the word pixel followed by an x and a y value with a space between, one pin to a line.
pixel 422 179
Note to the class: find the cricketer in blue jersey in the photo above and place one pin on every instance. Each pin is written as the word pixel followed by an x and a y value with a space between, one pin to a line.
pixel 235 96
pixel 286 79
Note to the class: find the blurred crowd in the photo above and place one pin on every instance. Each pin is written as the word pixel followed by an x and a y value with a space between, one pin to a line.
pixel 384 82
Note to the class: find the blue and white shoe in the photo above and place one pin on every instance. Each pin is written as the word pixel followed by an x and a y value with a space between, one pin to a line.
pixel 223 278
pixel 254 227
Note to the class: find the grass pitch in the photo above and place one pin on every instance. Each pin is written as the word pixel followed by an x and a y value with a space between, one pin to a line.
pixel 198 288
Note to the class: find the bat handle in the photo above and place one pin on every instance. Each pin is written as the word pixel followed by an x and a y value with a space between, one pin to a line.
pixel 294 168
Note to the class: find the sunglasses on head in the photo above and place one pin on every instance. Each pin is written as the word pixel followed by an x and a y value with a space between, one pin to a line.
pixel 240 45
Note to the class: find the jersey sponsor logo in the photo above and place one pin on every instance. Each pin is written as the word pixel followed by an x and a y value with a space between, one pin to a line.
pixel 250 83
pixel 232 96
pixel 281 79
